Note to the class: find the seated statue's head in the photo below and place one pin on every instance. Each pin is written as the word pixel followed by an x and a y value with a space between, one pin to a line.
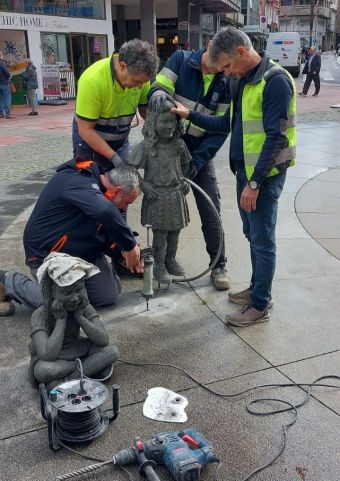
pixel 62 279
pixel 70 297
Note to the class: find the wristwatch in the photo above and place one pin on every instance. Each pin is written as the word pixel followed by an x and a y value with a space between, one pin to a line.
pixel 253 185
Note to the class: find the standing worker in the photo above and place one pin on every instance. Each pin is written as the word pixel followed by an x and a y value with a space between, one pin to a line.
pixel 31 84
pixel 262 147
pixel 109 94
pixel 312 70
pixel 197 80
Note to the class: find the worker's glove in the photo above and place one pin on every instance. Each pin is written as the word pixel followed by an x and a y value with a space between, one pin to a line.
pixel 117 160
pixel 193 171
pixel 149 191
pixel 157 98
pixel 185 187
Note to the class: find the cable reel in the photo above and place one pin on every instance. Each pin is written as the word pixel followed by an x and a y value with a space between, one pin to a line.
pixel 73 411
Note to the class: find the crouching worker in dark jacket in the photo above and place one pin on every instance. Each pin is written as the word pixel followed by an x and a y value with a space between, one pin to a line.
pixel 78 213
pixel 31 85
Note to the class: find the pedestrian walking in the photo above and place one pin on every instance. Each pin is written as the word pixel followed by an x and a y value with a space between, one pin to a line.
pixel 312 71
pixel 31 84
pixel 5 90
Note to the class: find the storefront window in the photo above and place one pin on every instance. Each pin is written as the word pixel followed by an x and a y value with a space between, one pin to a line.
pixel 13 44
pixel 97 47
pixel 56 49
pixel 70 8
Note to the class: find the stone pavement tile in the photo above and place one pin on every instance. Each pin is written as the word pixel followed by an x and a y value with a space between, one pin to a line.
pixel 296 259
pixel 331 245
pixel 322 188
pixel 320 145
pixel 304 170
pixel 304 321
pixel 322 226
pixel 331 175
pixel 310 201
pixel 242 442
pixel 308 155
pixel 178 330
pixel 309 370
pixel 289 227
pixel 293 185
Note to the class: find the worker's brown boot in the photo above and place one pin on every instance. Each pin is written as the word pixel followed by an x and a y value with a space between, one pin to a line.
pixel 7 307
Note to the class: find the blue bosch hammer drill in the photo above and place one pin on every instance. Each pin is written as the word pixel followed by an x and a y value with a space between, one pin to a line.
pixel 183 453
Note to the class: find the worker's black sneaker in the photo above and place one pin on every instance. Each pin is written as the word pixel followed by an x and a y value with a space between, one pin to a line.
pixel 119 267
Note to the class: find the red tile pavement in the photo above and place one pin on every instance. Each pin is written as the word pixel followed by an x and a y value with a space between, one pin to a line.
pixel 6 140
pixel 329 95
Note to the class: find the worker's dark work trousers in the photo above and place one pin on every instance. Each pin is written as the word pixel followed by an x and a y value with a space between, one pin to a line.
pixel 103 289
pixel 206 179
pixel 316 80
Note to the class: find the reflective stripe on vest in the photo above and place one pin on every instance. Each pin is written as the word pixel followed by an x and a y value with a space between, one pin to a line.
pixel 254 135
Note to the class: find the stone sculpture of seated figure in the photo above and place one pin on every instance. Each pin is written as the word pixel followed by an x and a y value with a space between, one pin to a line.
pixel 56 340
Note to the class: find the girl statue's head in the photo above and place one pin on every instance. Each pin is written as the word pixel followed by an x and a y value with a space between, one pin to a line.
pixel 162 125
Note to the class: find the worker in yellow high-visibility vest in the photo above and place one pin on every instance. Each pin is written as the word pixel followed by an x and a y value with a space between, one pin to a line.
pixel 262 146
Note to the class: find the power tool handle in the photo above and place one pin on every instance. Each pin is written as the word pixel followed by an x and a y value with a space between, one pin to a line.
pixel 151 474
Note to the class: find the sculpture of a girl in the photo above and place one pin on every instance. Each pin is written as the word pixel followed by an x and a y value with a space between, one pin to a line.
pixel 165 159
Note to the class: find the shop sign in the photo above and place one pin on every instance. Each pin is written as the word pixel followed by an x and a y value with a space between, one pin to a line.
pixel 32 23
pixel 50 80
pixel 166 23
pixel 194 28
pixel 183 25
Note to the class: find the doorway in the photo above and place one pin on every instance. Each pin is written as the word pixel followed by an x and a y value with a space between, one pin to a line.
pixel 80 54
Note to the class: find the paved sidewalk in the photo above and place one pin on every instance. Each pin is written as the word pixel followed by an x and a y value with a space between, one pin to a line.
pixel 300 343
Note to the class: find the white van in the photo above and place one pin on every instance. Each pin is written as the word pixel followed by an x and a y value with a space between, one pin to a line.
pixel 285 49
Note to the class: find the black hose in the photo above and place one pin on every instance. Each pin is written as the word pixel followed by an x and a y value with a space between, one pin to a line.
pixel 221 236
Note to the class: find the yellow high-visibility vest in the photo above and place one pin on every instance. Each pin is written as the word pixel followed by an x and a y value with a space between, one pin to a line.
pixel 254 135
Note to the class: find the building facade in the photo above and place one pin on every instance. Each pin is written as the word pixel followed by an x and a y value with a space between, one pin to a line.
pixel 314 20
pixel 67 34
pixel 171 25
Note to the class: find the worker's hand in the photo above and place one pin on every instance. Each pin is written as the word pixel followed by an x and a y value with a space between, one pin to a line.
pixel 157 98
pixel 193 171
pixel 180 110
pixel 149 191
pixel 248 199
pixel 117 160
pixel 185 187
pixel 134 260
pixel 59 311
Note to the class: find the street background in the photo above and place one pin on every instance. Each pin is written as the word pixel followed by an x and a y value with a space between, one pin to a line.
pixel 300 342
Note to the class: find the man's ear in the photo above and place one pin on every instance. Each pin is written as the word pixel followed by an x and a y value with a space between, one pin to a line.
pixel 241 51
pixel 122 66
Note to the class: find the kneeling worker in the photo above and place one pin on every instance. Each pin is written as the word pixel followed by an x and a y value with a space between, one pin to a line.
pixel 78 213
